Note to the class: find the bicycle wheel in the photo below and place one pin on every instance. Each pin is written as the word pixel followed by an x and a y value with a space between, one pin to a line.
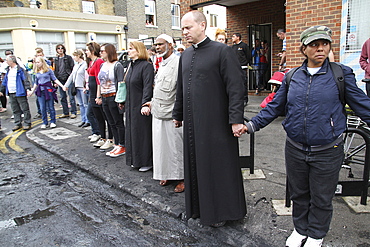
pixel 354 149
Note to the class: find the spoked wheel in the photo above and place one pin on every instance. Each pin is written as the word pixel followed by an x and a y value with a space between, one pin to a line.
pixel 354 149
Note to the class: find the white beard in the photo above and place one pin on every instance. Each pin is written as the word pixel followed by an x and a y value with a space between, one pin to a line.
pixel 164 53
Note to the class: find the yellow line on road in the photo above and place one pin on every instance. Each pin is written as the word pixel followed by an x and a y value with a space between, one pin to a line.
pixel 12 144
pixel 3 147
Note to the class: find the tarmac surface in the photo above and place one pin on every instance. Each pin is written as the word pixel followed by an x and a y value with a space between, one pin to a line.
pixel 261 226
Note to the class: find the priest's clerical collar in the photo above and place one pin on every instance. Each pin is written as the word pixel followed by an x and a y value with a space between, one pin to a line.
pixel 197 44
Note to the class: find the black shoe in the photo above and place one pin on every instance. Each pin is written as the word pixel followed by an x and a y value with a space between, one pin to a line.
pixel 85 125
pixel 81 124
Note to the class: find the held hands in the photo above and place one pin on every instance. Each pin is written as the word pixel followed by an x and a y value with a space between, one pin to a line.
pixel 65 89
pixel 145 109
pixel 98 101
pixel 178 124
pixel 29 93
pixel 239 129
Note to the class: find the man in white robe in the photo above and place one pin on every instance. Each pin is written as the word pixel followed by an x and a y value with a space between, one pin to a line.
pixel 167 140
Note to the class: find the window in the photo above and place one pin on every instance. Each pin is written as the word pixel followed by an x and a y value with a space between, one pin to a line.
pixel 358 28
pixel 175 13
pixel 48 41
pixel 150 19
pixel 213 20
pixel 6 42
pixel 88 7
pixel 107 38
pixel 80 40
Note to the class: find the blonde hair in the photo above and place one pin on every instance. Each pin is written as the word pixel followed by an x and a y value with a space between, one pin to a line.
pixel 79 53
pixel 44 68
pixel 141 49
pixel 220 32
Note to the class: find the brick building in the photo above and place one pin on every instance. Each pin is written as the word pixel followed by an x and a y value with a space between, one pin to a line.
pixel 76 22
pixel 260 19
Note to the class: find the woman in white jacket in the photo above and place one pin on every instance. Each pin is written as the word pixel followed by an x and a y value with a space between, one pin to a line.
pixel 78 78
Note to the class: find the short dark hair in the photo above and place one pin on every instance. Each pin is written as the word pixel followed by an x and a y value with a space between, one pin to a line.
pixel 111 51
pixel 280 30
pixel 238 35
pixel 6 51
pixel 63 47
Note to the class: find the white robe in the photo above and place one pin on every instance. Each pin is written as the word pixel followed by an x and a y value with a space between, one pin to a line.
pixel 167 150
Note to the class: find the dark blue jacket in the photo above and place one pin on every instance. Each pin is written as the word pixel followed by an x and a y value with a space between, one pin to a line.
pixel 22 84
pixel 314 113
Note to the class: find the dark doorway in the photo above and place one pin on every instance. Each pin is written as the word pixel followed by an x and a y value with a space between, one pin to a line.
pixel 263 33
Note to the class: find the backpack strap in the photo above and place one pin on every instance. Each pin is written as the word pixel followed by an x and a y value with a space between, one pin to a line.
pixel 289 75
pixel 337 70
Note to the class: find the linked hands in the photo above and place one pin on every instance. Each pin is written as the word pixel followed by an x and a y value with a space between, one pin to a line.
pixel 239 129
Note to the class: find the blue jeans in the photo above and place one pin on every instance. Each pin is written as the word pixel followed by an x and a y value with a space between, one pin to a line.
pixel 313 178
pixel 63 100
pixel 82 99
pixel 47 104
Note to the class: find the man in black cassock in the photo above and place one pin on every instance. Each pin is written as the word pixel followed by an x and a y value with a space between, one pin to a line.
pixel 209 101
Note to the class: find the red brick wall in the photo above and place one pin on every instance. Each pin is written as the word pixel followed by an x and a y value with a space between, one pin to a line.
pixel 261 12
pixel 302 14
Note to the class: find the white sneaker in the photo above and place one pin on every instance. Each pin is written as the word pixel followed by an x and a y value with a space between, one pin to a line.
pixel 53 125
pixel 295 239
pixel 311 242
pixel 99 143
pixel 145 168
pixel 112 151
pixel 43 126
pixel 95 138
pixel 106 145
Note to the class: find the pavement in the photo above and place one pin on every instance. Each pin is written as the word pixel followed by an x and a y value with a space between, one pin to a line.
pixel 262 226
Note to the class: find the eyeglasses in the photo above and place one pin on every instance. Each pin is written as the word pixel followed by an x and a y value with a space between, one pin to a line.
pixel 60 48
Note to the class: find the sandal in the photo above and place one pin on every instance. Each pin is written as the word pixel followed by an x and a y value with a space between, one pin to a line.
pixel 164 182
pixel 180 187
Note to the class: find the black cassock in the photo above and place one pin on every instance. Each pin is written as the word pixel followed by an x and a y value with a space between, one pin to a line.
pixel 138 142
pixel 209 99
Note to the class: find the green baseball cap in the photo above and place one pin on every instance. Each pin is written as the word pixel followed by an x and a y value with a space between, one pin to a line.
pixel 315 33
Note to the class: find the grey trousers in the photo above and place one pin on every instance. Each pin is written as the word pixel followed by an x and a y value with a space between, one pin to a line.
pixel 20 105
pixel 313 177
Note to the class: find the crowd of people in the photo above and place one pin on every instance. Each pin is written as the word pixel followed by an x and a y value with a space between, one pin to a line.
pixel 183 113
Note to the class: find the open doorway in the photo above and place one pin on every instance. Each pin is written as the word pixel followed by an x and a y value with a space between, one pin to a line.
pixel 263 33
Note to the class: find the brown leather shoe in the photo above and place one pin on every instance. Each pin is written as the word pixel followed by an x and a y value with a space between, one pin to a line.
pixel 180 187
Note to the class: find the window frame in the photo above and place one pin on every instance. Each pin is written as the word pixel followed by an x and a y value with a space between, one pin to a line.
pixel 86 8
pixel 150 13
pixel 175 18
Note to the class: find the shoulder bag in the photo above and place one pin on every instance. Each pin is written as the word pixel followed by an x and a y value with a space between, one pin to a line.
pixel 121 90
